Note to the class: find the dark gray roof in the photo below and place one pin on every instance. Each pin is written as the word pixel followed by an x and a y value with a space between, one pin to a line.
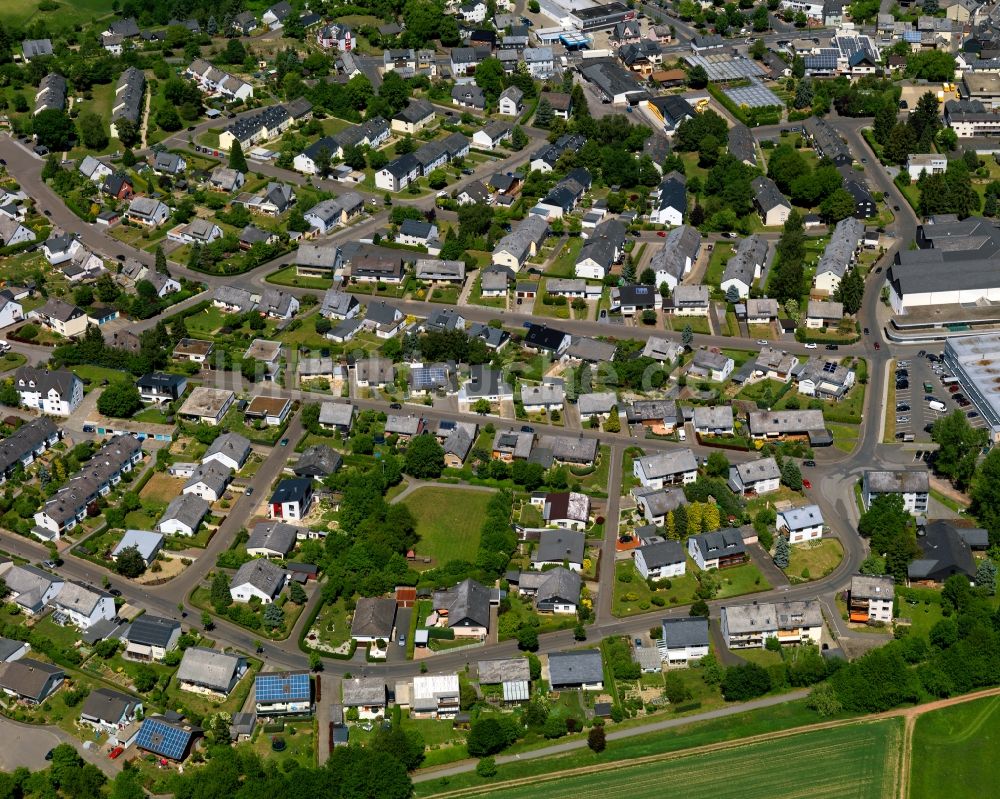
pixel 741 143
pixel 767 195
pixel 261 574
pixel 151 630
pixel 25 440
pixel 186 508
pixel 720 543
pixel 29 677
pixel 107 705
pixel 556 546
pixel 945 552
pixel 559 584
pixel 662 553
pixel 679 633
pixel 318 461
pixel 275 535
pixel 467 602
pixel 373 618
pixel 575 668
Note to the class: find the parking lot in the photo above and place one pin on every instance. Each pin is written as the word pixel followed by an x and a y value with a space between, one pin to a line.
pixel 912 411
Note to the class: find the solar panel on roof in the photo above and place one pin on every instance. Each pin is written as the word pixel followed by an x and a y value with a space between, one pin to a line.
pixel 829 367
pixel 282 687
pixel 431 376
pixel 163 739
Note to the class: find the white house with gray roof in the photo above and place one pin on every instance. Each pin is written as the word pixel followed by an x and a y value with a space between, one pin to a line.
pixel 750 626
pixel 660 560
pixel 676 467
pixel 801 524
pixel 208 672
pixel 229 449
pixel 715 420
pixel 839 254
pixel 273 539
pixel 755 477
pixel 597 405
pixel 183 515
pixel 676 257
pixel 684 640
pixel 559 548
pixel 745 265
pixel 258 578
pixel 83 606
pixel 209 481
pixel 913 485
pixel 582 669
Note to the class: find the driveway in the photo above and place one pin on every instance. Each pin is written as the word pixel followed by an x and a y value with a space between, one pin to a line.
pixel 26 745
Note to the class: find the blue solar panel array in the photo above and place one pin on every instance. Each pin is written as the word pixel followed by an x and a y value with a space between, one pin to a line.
pixel 282 688
pixel 430 376
pixel 163 739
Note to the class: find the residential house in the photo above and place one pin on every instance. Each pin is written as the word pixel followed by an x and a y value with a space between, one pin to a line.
pixel 118 186
pixel 183 515
pixel 658 416
pixel 226 180
pixel 208 672
pixel 275 16
pixel 801 524
pixel 317 462
pixel 109 711
pixel 160 388
pixel 94 170
pixel 547 397
pixel 233 300
pixel 655 503
pixel 30 681
pixel 374 373
pixel 339 304
pixel 711 365
pixel 278 304
pixel 719 550
pixel 417 115
pixel 671 200
pixel 510 102
pixel 789 425
pixel 209 481
pixel 771 204
pixel 168 163
pixel 946 550
pixel 230 450
pixel 485 383
pixel 291 499
pixel 21 448
pixel 544 339
pixel 58 249
pixel 435 696
pixel 367 695
pixel 676 257
pixel 756 477
pixel 684 640
pixel 580 669
pixel 457 444
pixel 82 606
pixel 716 420
pixel 373 619
pixel 51 94
pixel 871 599
pixel 29 588
pixel 257 579
pixel 337 416
pixel 745 266
pixel 761 311
pixel 56 393
pixel 742 145
pixel 36 48
pixel 912 484
pixel 660 560
pixel 468 95
pixel 465 609
pixel 285 693
pixel 492 135
pixel 555 590
pixel 148 212
pixel 670 111
pixel 597 405
pixel 675 467
pixel 689 301
pixel 750 626
pixel 824 379
pixel 522 243
pixel 150 638
pixel 631 300
pixel 207 405
pixel 328 214
pixel 575 450
pixel 145 542
pixel 568 509
pixel 434 270
pixel 272 411
pixel 823 313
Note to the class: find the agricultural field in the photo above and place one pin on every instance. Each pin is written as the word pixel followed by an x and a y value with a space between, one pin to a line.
pixel 954 751
pixel 448 522
pixel 857 760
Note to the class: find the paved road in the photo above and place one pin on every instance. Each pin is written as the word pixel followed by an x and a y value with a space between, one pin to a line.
pixel 27 744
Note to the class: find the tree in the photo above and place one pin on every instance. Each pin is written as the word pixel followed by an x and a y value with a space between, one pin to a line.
pixel 958 448
pixel 518 139
pixel 54 129
pixel 161 259
pixel 486 767
pixel 424 458
pixel 127 784
pixel 782 552
pixel 803 94
pixel 354 157
pixel 986 495
pixel 851 291
pixel 732 294
pixel 297 594
pixel 791 475
pixel 274 616
pixel 986 576
pixel 168 119
pixel 490 77
pixel 128 134
pixel 718 465
pixel 481 406
pixel 93 133
pixel 885 519
pixel 145 678
pixel 119 400
pixel 543 113
pixel 687 335
pixel 237 160
pixel 130 563
pixel 613 424
pixel 745 682
pixel 838 205
pixel 486 737
pixel 527 638
pixel 596 739
pixel 220 595
pixel 697 77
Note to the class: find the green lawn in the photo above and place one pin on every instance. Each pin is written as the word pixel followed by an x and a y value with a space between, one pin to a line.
pixel 65 15
pixel 854 760
pixel 596 482
pixel 448 522
pixel 565 264
pixel 954 751
pixel 717 263
pixel 207 322
pixel 814 560
pixel 845 436
pixel 288 277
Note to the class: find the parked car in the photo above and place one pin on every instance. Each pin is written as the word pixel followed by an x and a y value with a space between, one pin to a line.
pixel 809 462
pixel 811 345
pixel 972 414
pixel 877 346
pixel 249 491
pixel 832 346
pixel 661 233
pixel 806 483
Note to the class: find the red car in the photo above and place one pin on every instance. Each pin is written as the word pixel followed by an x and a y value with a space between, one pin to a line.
pixel 114 753
pixel 661 233
pixel 806 483
pixel 878 346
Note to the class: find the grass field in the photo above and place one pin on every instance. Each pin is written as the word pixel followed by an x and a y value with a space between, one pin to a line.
pixel 448 522
pixel 814 560
pixel 854 760
pixel 66 15
pixel 954 751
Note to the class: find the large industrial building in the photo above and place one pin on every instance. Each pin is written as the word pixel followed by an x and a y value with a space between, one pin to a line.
pixel 975 361
pixel 586 15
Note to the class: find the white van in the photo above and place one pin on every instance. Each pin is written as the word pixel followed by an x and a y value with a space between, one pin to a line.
pixel 681 435
pixel 936 405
